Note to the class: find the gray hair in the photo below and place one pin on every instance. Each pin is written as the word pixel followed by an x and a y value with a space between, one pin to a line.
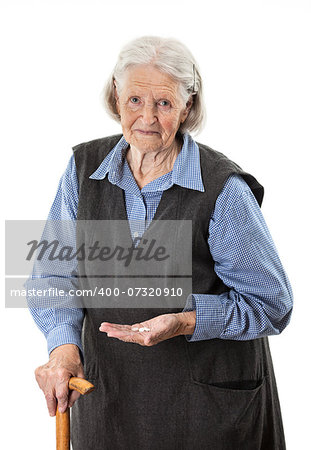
pixel 167 55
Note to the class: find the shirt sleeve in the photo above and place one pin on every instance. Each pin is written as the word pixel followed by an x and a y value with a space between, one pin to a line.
pixel 56 316
pixel 259 300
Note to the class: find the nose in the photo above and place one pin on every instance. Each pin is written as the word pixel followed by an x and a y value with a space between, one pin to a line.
pixel 149 114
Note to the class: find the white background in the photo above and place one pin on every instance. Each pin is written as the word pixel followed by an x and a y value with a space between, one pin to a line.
pixel 255 61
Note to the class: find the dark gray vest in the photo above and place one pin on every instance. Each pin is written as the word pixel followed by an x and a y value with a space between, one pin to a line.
pixel 212 394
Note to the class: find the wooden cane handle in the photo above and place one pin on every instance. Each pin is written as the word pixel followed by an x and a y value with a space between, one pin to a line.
pixel 81 385
pixel 63 419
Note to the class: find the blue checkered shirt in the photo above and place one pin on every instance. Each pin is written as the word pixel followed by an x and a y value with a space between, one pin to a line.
pixel 259 301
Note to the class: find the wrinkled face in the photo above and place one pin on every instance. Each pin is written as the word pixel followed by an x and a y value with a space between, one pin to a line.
pixel 150 108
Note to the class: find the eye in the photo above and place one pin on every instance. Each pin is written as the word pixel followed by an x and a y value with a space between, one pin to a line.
pixel 164 103
pixel 134 100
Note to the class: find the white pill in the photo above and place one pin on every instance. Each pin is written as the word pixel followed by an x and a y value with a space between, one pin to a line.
pixel 141 329
pixel 147 329
pixel 135 329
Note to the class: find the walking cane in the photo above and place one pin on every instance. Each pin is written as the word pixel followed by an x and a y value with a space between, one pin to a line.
pixel 63 419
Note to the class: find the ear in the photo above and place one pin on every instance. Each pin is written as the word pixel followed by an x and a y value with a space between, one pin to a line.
pixel 116 96
pixel 187 109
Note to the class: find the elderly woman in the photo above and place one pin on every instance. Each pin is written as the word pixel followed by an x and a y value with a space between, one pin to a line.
pixel 196 377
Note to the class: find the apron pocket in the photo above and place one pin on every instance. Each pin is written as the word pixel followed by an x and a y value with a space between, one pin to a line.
pixel 237 406
pixel 227 418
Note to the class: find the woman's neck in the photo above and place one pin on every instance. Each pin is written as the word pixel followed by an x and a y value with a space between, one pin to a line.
pixel 147 166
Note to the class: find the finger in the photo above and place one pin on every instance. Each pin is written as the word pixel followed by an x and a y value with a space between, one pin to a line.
pixel 62 397
pixel 111 324
pixel 135 333
pixel 51 403
pixel 126 336
pixel 135 337
pixel 115 325
pixel 73 396
pixel 105 326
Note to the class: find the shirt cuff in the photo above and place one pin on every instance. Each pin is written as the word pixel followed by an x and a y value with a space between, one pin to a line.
pixel 64 334
pixel 210 316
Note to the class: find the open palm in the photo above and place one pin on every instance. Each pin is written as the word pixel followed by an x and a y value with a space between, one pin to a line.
pixel 161 327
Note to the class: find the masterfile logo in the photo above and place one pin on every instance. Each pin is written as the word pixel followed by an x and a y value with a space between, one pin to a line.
pixel 53 263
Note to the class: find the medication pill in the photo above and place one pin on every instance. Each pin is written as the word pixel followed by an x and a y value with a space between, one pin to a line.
pixel 147 329
pixel 141 329
pixel 134 329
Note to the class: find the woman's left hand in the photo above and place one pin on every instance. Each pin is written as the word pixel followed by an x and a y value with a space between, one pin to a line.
pixel 160 328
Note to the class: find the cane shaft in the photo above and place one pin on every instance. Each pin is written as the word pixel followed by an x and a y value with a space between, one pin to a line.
pixel 63 419
pixel 63 430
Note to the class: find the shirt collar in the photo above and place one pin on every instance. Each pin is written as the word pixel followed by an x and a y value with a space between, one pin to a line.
pixel 186 170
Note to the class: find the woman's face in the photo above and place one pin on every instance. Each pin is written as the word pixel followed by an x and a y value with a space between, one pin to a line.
pixel 150 108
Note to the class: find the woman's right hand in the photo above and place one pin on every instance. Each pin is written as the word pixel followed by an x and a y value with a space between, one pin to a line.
pixel 53 377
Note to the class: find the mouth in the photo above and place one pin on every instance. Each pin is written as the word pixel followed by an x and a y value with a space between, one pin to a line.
pixel 146 132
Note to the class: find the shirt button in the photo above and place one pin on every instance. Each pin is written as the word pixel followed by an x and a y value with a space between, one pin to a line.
pixel 136 234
